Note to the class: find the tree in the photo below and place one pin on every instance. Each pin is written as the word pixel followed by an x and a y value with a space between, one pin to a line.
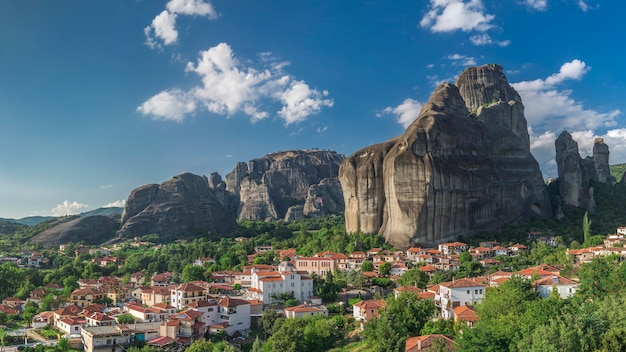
pixel 201 346
pixel 367 266
pixel 413 277
pixel 270 321
pixel 126 318
pixel 401 318
pixel 465 257
pixel 63 345
pixel 384 268
pixel 193 272
pixel 3 337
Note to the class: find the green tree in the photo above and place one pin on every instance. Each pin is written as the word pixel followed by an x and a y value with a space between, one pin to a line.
pixel 384 268
pixel 193 273
pixel 126 318
pixel 367 266
pixel 465 257
pixel 413 277
pixel 201 346
pixel 270 321
pixel 63 345
pixel 401 318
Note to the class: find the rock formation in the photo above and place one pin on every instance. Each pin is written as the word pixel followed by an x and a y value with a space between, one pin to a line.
pixel 462 166
pixel 575 173
pixel 94 229
pixel 181 205
pixel 267 187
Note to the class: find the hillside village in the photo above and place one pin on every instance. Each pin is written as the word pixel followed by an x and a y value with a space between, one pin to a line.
pixel 111 313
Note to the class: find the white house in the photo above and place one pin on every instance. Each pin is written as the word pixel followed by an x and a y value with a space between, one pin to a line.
pixel 70 326
pixel 564 286
pixel 265 284
pixel 116 338
pixel 209 310
pixel 368 309
pixel 305 310
pixel 234 314
pixel 186 293
pixel 459 293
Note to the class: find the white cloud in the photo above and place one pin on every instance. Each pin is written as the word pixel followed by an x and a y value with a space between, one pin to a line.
pixel 163 26
pixel 192 7
pixel 406 112
pixel 485 39
pixel 452 15
pixel 229 87
pixel 461 60
pixel 116 204
pixel 67 208
pixel 168 105
pixel 299 101
pixel 548 108
pixel 106 186
pixel 539 5
pixel 322 129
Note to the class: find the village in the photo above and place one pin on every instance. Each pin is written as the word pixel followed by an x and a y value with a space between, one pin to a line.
pixel 167 313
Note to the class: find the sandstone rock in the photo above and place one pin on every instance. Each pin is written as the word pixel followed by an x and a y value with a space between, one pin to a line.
pixel 265 188
pixel 294 213
pixel 181 205
pixel 575 172
pixel 462 166
pixel 324 198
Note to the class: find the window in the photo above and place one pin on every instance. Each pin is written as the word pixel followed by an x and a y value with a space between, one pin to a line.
pixel 468 292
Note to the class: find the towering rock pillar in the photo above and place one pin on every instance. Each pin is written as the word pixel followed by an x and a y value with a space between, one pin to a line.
pixel 576 172
pixel 462 166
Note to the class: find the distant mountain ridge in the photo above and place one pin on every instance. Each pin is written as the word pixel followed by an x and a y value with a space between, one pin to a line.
pixel 34 220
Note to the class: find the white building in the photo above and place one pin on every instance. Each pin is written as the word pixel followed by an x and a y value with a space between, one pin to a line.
pixel 564 286
pixel 265 284
pixel 305 310
pixel 116 338
pixel 234 314
pixel 459 293
pixel 187 293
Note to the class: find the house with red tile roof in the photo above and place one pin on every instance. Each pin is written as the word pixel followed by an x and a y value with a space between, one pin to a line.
pixel 425 343
pixel 466 314
pixel 458 293
pixel 100 319
pixel 368 309
pixel 305 310
pixel 564 286
pixel 183 294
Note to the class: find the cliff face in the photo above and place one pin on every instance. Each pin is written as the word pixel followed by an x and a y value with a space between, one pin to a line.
pixel 182 204
pixel 462 166
pixel 267 187
pixel 576 172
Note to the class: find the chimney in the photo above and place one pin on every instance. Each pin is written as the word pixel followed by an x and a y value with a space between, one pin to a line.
pixel 419 344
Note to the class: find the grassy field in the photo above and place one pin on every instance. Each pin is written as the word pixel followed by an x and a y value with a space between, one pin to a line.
pixel 617 171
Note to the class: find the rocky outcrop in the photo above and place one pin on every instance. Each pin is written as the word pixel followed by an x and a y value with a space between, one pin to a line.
pixel 94 229
pixel 183 204
pixel 267 187
pixel 576 173
pixel 324 198
pixel 462 166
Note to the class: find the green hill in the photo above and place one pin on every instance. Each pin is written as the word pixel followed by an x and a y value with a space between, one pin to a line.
pixel 617 171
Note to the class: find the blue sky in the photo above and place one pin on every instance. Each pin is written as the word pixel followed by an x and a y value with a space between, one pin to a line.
pixel 100 97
